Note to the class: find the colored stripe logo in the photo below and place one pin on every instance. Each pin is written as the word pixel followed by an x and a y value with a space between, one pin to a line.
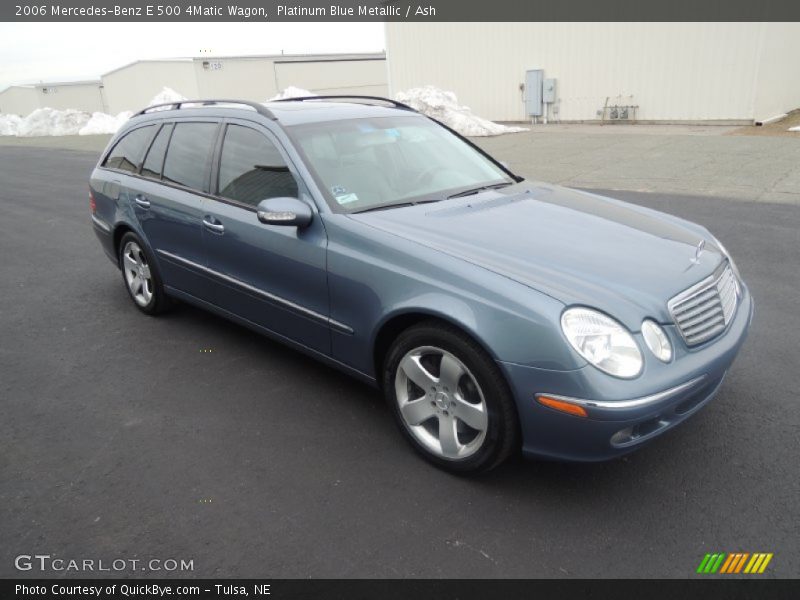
pixel 733 563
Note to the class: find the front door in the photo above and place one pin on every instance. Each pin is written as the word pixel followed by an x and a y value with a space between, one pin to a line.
pixel 274 276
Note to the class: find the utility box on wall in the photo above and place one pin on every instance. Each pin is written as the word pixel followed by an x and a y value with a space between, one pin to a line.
pixel 533 92
pixel 549 91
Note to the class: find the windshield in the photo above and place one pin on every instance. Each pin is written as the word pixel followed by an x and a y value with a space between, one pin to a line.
pixel 364 164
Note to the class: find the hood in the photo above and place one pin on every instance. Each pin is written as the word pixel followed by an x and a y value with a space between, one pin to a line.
pixel 577 247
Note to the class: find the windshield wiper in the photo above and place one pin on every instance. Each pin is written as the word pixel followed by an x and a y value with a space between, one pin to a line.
pixel 396 205
pixel 382 207
pixel 469 192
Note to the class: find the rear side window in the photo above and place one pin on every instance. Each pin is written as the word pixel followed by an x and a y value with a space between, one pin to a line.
pixel 128 152
pixel 155 156
pixel 189 155
pixel 252 169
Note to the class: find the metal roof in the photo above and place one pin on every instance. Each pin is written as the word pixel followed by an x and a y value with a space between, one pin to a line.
pixel 354 56
pixel 40 84
pixel 298 57
pixel 148 60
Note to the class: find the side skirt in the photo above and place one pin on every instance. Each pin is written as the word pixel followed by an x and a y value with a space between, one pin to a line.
pixel 323 358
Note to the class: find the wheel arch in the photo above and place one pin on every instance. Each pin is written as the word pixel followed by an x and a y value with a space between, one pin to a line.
pixel 119 231
pixel 499 440
pixel 400 321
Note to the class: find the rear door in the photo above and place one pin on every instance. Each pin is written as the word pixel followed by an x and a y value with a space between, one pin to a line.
pixel 114 184
pixel 169 202
pixel 274 276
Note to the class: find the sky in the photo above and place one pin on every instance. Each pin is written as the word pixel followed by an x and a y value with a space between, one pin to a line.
pixel 34 52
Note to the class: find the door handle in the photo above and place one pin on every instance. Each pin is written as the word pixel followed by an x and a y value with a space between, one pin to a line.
pixel 142 201
pixel 215 227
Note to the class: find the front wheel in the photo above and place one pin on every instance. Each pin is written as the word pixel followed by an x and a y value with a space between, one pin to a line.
pixel 450 399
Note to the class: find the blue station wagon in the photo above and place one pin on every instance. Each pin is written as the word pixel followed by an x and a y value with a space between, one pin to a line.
pixel 495 313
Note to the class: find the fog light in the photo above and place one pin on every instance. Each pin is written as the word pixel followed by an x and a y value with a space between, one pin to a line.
pixel 622 436
pixel 561 405
pixel 656 340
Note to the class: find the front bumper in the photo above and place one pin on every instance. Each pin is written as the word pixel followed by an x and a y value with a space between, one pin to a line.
pixel 623 414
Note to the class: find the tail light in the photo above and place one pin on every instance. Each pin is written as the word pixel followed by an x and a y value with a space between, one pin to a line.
pixel 92 203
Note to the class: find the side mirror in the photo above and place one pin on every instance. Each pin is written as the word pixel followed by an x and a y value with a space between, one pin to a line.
pixel 284 211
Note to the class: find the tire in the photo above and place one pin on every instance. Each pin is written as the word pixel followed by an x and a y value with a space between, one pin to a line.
pixel 460 414
pixel 141 276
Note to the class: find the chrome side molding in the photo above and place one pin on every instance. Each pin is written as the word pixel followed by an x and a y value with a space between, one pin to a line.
pixel 101 224
pixel 306 312
pixel 633 403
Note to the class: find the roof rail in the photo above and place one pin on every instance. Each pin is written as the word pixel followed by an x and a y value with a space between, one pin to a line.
pixel 374 99
pixel 178 104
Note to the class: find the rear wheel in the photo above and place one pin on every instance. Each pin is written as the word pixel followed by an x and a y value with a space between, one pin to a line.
pixel 141 276
pixel 450 399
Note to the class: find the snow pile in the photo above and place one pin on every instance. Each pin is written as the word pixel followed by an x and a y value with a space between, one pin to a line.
pixel 101 123
pixel 166 95
pixel 44 121
pixel 9 124
pixel 291 92
pixel 48 121
pixel 51 122
pixel 794 128
pixel 444 107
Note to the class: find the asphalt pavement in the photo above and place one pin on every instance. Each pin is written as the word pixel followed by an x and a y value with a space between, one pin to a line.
pixel 667 159
pixel 186 437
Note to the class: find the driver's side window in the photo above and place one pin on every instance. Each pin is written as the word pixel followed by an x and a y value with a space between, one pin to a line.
pixel 252 169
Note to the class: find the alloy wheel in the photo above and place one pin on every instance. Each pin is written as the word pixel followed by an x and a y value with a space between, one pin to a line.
pixel 137 273
pixel 441 402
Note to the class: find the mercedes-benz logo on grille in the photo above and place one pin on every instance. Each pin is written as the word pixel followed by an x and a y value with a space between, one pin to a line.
pixel 697 252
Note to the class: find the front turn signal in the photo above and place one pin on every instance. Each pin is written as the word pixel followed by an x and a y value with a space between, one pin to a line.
pixel 562 406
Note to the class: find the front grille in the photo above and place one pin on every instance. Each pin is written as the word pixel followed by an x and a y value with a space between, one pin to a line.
pixel 704 310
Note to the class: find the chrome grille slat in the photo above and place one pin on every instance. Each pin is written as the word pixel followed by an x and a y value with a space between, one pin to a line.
pixel 726 293
pixel 727 290
pixel 697 311
pixel 707 335
pixel 699 299
pixel 705 316
pixel 692 331
pixel 728 305
pixel 727 280
pixel 704 310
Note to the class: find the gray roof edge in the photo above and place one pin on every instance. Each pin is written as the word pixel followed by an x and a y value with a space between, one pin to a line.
pixel 41 84
pixel 322 57
pixel 186 60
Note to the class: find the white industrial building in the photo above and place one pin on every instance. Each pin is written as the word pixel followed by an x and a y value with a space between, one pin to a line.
pixel 133 86
pixel 672 72
pixel 648 72
pixel 24 99
pixel 256 78
pixel 261 77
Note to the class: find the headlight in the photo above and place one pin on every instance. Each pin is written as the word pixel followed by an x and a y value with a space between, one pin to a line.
pixel 656 340
pixel 602 341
